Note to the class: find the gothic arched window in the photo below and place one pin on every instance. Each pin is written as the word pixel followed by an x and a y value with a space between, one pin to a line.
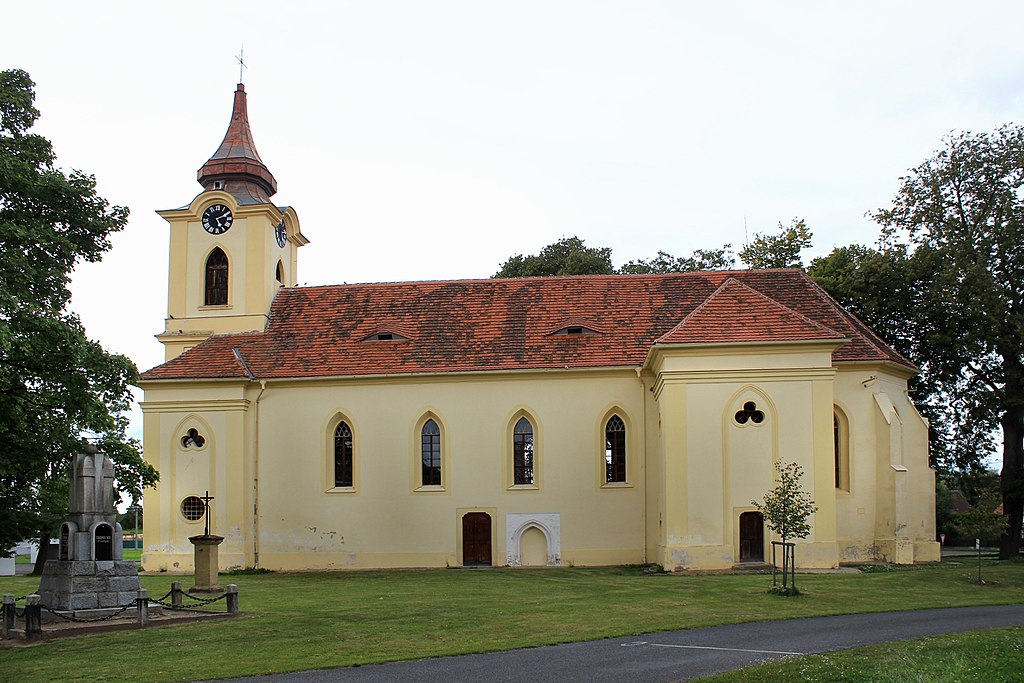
pixel 216 279
pixel 430 441
pixel 615 450
pixel 343 455
pixel 522 452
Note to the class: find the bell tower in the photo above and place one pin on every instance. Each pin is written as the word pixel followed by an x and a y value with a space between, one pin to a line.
pixel 231 248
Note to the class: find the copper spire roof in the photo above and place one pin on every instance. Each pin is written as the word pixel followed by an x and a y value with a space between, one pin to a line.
pixel 236 164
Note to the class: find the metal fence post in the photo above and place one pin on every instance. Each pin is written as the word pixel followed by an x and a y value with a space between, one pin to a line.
pixel 33 617
pixel 176 595
pixel 142 603
pixel 10 610
pixel 232 599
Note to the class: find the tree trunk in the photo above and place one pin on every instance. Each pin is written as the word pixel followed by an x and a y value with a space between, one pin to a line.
pixel 43 555
pixel 1012 479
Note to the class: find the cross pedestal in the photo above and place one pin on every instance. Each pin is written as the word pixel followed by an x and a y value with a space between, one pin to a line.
pixel 207 563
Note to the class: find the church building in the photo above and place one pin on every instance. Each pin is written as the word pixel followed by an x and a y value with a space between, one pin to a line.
pixel 550 421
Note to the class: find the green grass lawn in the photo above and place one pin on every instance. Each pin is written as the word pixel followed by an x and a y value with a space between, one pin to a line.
pixel 993 656
pixel 305 621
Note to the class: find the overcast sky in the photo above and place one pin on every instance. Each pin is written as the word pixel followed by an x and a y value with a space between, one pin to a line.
pixel 432 140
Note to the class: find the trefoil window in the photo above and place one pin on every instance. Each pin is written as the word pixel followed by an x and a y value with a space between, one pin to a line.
pixel 750 413
pixel 193 439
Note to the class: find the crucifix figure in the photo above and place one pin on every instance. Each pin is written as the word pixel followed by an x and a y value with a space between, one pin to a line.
pixel 241 62
pixel 206 511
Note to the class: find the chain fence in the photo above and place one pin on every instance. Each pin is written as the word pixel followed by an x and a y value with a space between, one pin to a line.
pixel 193 607
pixel 80 620
pixel 177 603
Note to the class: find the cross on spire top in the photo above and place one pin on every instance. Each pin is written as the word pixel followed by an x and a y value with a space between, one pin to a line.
pixel 241 63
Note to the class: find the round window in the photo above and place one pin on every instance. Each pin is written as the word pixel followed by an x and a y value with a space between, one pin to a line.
pixel 192 508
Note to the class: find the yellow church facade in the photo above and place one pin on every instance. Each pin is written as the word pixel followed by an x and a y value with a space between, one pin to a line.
pixel 591 420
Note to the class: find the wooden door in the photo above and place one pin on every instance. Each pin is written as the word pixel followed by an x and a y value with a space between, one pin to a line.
pixel 751 537
pixel 476 539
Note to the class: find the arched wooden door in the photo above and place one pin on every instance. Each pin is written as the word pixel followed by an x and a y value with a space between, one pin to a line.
pixel 751 537
pixel 476 539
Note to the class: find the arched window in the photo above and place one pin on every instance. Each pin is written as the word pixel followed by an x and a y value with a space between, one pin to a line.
pixel 522 452
pixel 430 440
pixel 280 274
pixel 343 455
pixel 615 450
pixel 216 279
pixel 841 450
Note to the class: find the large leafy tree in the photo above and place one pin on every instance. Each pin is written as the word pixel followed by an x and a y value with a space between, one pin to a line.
pixel 961 214
pixel 567 256
pixel 571 256
pixel 780 250
pixel 886 288
pixel 57 387
pixel 701 259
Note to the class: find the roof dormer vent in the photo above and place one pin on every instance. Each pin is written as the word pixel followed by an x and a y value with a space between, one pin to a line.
pixel 386 335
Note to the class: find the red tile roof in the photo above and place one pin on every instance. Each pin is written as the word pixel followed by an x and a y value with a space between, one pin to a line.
pixel 736 313
pixel 507 324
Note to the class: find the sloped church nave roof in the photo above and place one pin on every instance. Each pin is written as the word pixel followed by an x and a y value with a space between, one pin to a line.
pixel 524 323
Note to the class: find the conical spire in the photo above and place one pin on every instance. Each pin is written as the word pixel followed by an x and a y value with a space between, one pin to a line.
pixel 236 167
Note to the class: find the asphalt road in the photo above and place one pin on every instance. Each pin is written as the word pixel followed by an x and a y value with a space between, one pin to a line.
pixel 673 655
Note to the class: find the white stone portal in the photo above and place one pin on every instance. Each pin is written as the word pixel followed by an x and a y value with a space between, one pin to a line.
pixel 523 545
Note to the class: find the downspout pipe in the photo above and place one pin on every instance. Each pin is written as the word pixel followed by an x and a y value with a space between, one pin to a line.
pixel 256 459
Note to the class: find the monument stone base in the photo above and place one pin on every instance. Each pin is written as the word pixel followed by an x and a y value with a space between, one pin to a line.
pixel 207 563
pixel 88 584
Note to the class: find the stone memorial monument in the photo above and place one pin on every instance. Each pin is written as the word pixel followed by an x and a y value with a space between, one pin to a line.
pixel 90 571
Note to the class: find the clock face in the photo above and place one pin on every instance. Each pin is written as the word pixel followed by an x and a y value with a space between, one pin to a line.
pixel 281 234
pixel 217 219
